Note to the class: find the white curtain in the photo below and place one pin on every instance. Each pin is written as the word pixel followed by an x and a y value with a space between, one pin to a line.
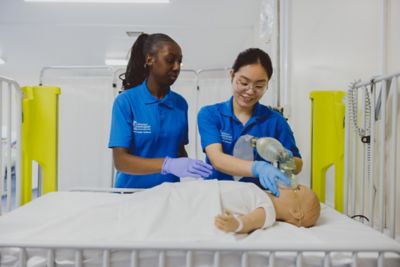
pixel 85 104
pixel 186 86
pixel 214 87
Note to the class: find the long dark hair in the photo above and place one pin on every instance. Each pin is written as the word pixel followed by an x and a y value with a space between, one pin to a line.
pixel 253 56
pixel 136 70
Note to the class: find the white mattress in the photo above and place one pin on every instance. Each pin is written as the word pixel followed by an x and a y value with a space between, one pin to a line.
pixel 87 218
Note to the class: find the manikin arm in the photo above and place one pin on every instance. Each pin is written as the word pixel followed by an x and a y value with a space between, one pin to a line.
pixel 251 221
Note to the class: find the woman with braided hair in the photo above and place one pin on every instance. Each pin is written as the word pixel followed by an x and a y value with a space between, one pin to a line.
pixel 149 126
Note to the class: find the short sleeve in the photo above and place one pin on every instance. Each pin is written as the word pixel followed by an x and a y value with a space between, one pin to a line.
pixel 242 198
pixel 208 127
pixel 262 200
pixel 121 132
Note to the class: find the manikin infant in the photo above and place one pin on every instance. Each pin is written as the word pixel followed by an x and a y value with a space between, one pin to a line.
pixel 246 207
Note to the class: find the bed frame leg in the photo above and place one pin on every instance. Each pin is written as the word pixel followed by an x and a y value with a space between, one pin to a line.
pixel 161 259
pixel 50 258
pixel 299 259
pixel 354 263
pixel 106 258
pixel 271 262
pixel 22 257
pixel 134 258
pixel 327 259
pixel 189 258
pixel 244 259
pixel 216 259
pixel 381 259
pixel 78 258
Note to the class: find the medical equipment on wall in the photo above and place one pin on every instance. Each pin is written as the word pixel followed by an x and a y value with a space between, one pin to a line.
pixel 364 132
pixel 372 165
pixel 352 98
pixel 270 150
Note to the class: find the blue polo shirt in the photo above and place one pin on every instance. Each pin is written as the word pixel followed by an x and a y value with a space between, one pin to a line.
pixel 218 124
pixel 149 127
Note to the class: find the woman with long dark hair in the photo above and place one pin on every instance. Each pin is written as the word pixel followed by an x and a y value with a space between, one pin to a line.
pixel 221 125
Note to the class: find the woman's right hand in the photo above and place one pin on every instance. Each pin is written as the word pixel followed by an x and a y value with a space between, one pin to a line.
pixel 268 176
pixel 186 167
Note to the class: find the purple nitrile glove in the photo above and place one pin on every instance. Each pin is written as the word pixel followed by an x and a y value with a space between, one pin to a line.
pixel 269 175
pixel 186 167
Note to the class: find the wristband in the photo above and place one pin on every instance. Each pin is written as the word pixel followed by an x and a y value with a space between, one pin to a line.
pixel 241 225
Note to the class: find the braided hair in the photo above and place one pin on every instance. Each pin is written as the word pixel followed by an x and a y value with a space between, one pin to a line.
pixel 137 70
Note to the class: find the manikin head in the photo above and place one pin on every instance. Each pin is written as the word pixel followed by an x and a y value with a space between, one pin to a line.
pixel 299 206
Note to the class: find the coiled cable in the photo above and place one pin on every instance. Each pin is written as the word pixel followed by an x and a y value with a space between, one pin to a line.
pixel 352 95
pixel 363 133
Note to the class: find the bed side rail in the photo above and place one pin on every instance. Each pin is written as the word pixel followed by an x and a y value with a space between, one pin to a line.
pixel 371 152
pixel 10 148
pixel 270 255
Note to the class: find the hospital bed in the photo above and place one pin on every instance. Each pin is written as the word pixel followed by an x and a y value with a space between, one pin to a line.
pixel 99 229
pixel 10 125
pixel 77 228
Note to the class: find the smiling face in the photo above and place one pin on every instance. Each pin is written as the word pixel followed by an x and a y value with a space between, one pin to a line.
pixel 165 65
pixel 249 85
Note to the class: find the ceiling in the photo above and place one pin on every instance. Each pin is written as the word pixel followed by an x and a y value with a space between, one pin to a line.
pixel 34 35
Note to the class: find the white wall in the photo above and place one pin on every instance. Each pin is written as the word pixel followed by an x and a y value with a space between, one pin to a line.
pixel 393 38
pixel 393 65
pixel 334 42
pixel 33 35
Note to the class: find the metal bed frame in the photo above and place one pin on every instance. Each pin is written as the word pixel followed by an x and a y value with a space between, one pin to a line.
pixel 362 140
pixel 8 88
pixel 190 248
pixel 217 250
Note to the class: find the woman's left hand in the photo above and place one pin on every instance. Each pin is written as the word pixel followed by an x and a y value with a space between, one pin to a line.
pixel 186 167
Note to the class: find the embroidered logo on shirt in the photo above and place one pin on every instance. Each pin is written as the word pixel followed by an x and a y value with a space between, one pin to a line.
pixel 141 127
pixel 226 137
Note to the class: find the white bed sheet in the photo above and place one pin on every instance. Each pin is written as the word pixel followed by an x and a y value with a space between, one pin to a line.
pixel 173 216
